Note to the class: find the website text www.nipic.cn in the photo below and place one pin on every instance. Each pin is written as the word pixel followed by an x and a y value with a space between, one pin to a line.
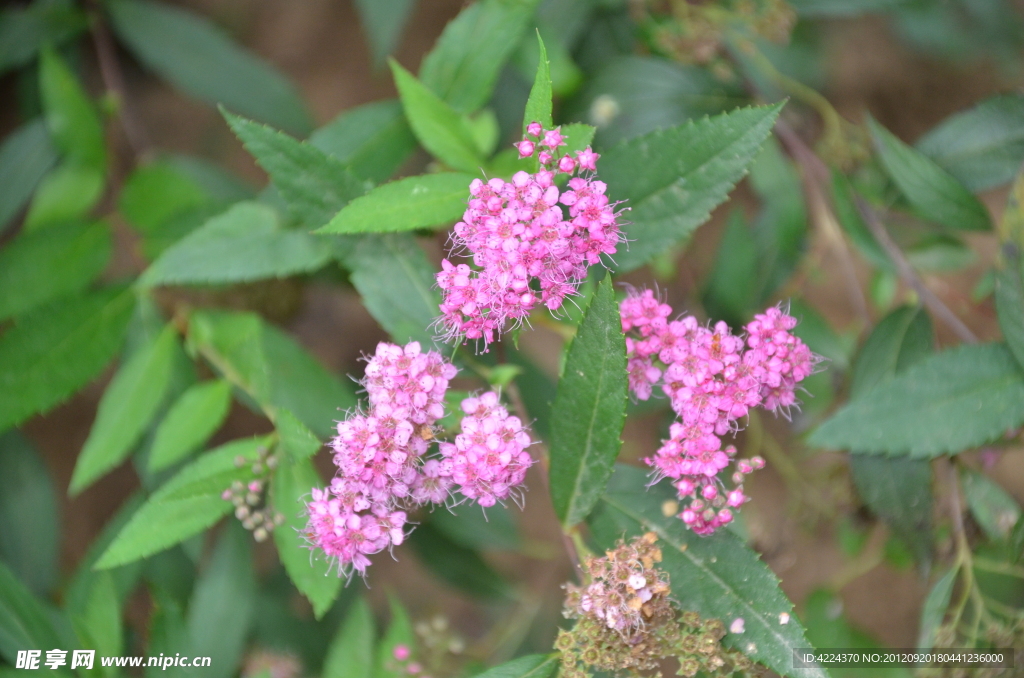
pixel 54 659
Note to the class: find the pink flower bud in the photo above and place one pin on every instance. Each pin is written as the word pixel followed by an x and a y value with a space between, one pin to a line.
pixel 526 148
pixel 534 129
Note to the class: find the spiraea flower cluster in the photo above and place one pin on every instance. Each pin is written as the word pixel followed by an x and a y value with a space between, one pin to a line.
pixel 384 469
pixel 626 621
pixel 712 378
pixel 250 498
pixel 530 241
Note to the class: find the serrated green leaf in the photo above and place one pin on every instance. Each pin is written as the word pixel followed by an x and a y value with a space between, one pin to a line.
pixel 716 576
pixel 68 192
pixel 98 624
pixel 950 402
pixel 374 140
pixel 405 205
pixel 474 528
pixel 164 521
pixel 30 537
pixel 1010 302
pixel 156 192
pixel 457 565
pixel 351 652
pixel 221 610
pixel 438 127
pixel 127 407
pixel 993 507
pixel 38 267
pixel 399 633
pixel 930 189
pixel 24 622
pixel 383 21
pixel 26 155
pixel 312 577
pixel 25 29
pixel 405 301
pixel 982 147
pixel 673 178
pixel 55 350
pixel 934 609
pixel 192 419
pixel 530 666
pixel 182 46
pixel 242 244
pixel 314 184
pixel 297 440
pixel 538 105
pixel 74 125
pixel 589 410
pixel 901 339
pixel 464 65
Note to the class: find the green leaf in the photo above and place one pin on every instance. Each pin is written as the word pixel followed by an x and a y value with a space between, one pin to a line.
pixel 192 419
pixel 929 188
pixel 457 565
pixel 731 292
pixel 30 537
pixel 374 140
pixel 53 351
pixel 74 125
pixel 156 192
pixel 1010 302
pixel 126 409
pixel 26 155
pixel 297 440
pixel 982 147
pixel 24 622
pixel 183 506
pixel 464 65
pixel 589 410
pixel 934 609
pixel 577 136
pixel 314 184
pixel 673 178
pixel 98 624
pixel 242 244
pixel 475 529
pixel 538 105
pixel 312 576
pixel 405 205
pixel 183 47
pixel 851 221
pixel 25 29
pixel 530 666
pixel 221 610
pixel 438 127
pixel 901 339
pixel 992 506
pixel 718 576
pixel 351 652
pixel 950 402
pixel 68 192
pixel 399 633
pixel 383 21
pixel 38 267
pixel 405 301
pixel 215 181
pixel 844 8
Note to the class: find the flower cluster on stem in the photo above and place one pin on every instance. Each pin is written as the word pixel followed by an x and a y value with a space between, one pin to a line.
pixel 530 240
pixel 382 457
pixel 712 379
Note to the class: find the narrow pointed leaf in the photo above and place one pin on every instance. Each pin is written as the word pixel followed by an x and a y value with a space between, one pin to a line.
pixel 24 622
pixel 374 140
pixel 995 510
pixel 934 609
pixel 405 205
pixel 399 632
pixel 589 410
pixel 192 419
pixel 351 652
pixel 26 155
pixel 383 21
pixel 74 124
pixel 538 105
pixel 297 440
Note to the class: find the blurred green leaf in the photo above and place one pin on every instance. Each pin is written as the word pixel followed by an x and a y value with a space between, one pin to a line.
pixel 38 267
pixel 164 520
pixel 898 490
pixel 843 8
pixel 940 253
pixel 538 105
pixel 934 609
pixel 215 181
pixel 244 243
pixel 478 528
pixel 399 633
pixel 126 409
pixel 24 623
pixel 982 147
pixel 815 331
pixel 26 155
pixel 74 124
pixel 851 221
pixel 383 21
pixel 992 506
pixel 405 205
pixel 192 419
pixel 25 29
pixel 98 624
pixel 30 534
pixel 464 65
pixel 673 178
pixel 53 351
pixel 1010 303
pixel 456 565
pixel 374 140
pixel 716 576
pixel 899 340
pixel 67 193
pixel 184 47
pixel 953 401
pixel 530 666
pixel 935 194
pixel 731 292
pixel 312 576
pixel 589 410
pixel 314 184
pixel 167 633
pixel 220 612
pixel 156 192
pixel 351 652
pixel 404 302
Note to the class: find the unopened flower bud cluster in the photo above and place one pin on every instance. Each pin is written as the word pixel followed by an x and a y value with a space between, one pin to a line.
pixel 712 378
pixel 249 498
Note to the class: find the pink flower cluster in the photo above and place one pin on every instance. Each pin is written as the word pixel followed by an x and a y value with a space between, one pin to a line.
pixel 383 470
pixel 526 248
pixel 712 379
